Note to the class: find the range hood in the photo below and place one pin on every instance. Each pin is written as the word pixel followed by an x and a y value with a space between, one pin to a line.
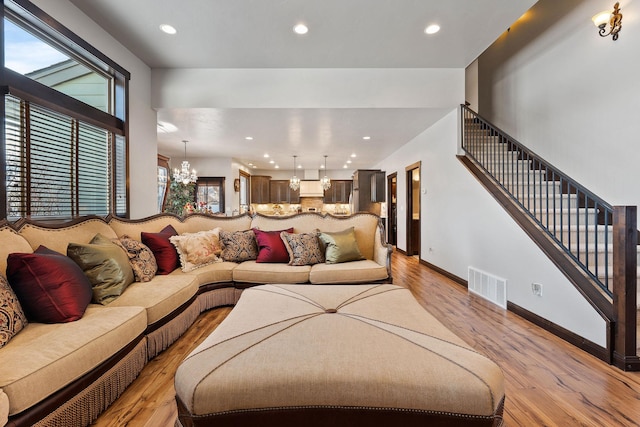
pixel 311 189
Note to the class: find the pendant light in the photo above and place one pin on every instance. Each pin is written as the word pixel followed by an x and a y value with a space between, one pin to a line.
pixel 325 181
pixel 294 182
pixel 183 175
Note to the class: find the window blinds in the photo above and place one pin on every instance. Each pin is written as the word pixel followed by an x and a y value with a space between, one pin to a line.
pixel 56 166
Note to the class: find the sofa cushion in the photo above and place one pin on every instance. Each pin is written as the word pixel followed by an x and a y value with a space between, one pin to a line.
pixel 238 246
pixel 43 358
pixel 271 248
pixel 348 272
pixel 164 252
pixel 105 264
pixel 58 238
pixel 160 296
pixel 340 246
pixel 253 272
pixel 50 287
pixel 303 248
pixel 219 272
pixel 11 242
pixel 197 249
pixel 142 261
pixel 12 318
pixel 4 408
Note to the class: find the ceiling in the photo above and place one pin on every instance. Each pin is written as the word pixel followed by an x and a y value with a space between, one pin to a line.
pixel 343 34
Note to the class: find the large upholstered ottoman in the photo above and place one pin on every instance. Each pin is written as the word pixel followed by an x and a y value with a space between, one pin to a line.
pixel 336 355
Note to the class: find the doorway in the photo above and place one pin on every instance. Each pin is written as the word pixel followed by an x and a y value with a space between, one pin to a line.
pixel 392 209
pixel 413 209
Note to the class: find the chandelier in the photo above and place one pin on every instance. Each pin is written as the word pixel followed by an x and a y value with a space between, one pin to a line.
pixel 326 182
pixel 294 182
pixel 183 175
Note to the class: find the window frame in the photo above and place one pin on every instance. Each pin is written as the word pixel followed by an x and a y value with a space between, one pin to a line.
pixel 33 19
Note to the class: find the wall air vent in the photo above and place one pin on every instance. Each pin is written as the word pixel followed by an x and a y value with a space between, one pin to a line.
pixel 488 286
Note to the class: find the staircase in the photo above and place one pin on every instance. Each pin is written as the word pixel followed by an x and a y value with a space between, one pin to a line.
pixel 576 221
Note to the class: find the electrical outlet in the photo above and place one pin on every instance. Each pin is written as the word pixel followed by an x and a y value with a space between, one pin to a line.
pixel 536 288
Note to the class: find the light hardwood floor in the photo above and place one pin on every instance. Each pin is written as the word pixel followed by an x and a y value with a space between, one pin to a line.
pixel 548 382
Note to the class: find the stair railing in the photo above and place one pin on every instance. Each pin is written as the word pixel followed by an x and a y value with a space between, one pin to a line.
pixel 576 219
pixel 600 240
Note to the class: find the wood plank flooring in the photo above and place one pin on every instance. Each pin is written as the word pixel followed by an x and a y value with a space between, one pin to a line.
pixel 548 382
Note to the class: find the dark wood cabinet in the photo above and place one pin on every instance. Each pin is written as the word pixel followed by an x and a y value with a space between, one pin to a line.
pixel 362 190
pixel 260 189
pixel 339 191
pixel 280 192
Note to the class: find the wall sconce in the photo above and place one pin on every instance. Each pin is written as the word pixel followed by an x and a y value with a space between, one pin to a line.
pixel 614 19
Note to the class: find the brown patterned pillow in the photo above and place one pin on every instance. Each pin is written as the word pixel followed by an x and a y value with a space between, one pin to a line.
pixel 142 261
pixel 197 249
pixel 238 246
pixel 12 318
pixel 303 248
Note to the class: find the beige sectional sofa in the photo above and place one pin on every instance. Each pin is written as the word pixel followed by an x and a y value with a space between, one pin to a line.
pixel 66 374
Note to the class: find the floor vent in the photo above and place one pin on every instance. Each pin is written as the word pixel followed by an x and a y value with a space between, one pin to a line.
pixel 488 286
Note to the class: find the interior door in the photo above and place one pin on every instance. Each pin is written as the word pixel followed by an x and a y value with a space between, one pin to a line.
pixel 392 209
pixel 413 209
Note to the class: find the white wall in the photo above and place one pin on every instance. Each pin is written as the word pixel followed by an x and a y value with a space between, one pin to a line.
pixel 570 95
pixel 471 85
pixel 142 119
pixel 462 226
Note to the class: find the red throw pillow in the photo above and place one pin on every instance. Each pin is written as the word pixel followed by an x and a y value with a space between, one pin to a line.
pixel 271 248
pixel 162 248
pixel 50 287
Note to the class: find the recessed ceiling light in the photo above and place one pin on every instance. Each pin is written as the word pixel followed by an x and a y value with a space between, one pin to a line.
pixel 277 167
pixel 166 28
pixel 353 154
pixel 299 166
pixel 432 29
pixel 366 137
pixel 344 167
pixel 255 167
pixel 300 29
pixel 248 138
pixel 250 164
pixel 348 162
pixel 266 156
pixel 271 162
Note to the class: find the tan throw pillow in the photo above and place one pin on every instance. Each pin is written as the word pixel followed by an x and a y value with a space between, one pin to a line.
pixel 197 249
pixel 12 318
pixel 238 246
pixel 303 248
pixel 141 259
pixel 341 246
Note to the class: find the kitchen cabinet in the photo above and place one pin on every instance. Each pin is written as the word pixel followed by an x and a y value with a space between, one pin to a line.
pixel 339 192
pixel 280 192
pixel 362 190
pixel 260 188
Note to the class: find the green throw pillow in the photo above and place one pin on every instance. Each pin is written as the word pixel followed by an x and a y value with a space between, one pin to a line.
pixel 105 264
pixel 340 246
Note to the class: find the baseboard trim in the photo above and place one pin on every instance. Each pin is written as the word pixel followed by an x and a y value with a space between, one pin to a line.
pixel 572 338
pixel 445 273
pixel 403 252
pixel 557 330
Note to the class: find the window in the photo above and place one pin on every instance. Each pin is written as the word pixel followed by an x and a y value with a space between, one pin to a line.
pixel 56 166
pixel 53 68
pixel 210 194
pixel 64 149
pixel 244 192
